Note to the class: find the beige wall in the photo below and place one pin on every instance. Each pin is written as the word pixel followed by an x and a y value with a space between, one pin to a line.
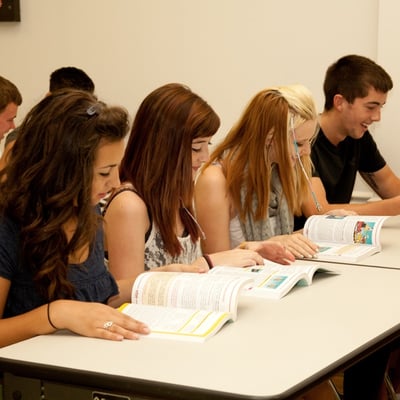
pixel 225 50
pixel 387 131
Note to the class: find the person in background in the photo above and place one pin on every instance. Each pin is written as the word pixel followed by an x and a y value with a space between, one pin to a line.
pixel 70 78
pixel 257 177
pixel 61 78
pixel 10 100
pixel 149 220
pixel 356 89
pixel 52 272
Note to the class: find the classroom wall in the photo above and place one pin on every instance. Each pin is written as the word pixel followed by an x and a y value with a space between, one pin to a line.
pixel 225 50
pixel 387 131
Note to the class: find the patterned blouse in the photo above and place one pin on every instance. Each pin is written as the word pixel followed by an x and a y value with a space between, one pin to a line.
pixel 155 254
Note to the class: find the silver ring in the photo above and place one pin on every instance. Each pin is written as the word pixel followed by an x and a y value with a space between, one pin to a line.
pixel 107 325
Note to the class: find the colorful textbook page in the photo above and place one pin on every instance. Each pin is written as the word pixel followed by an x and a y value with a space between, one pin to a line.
pixel 271 280
pixel 185 306
pixel 347 238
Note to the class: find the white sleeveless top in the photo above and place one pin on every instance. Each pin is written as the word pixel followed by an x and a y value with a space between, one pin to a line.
pixel 155 254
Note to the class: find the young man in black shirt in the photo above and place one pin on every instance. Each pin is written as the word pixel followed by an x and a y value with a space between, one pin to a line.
pixel 355 90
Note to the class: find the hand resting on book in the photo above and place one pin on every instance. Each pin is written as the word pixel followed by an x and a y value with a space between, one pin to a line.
pixel 270 250
pixel 297 244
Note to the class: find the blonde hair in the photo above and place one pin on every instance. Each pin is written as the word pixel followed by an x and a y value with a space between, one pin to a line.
pixel 244 153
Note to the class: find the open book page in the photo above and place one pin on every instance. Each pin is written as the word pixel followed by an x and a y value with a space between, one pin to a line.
pixel 272 280
pixel 344 238
pixel 189 290
pixel 178 323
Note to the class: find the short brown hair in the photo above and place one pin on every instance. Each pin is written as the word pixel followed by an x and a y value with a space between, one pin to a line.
pixel 9 93
pixel 352 76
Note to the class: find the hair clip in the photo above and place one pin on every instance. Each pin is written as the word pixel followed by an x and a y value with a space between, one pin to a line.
pixel 91 110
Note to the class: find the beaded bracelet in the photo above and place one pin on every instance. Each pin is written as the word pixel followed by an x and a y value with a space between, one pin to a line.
pixel 208 260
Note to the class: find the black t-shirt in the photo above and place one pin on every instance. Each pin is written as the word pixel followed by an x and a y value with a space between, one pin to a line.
pixel 337 166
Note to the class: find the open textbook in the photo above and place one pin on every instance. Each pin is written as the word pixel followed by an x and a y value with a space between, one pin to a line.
pixel 346 238
pixel 271 280
pixel 185 305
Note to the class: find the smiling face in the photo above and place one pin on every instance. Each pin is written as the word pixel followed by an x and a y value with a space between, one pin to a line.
pixel 200 153
pixel 105 169
pixel 7 117
pixel 356 117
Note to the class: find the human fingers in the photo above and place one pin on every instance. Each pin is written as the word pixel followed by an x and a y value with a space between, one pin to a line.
pixel 285 257
pixel 121 326
pixel 95 320
pixel 288 256
pixel 254 257
pixel 300 246
pixel 194 268
pixel 304 241
pixel 275 251
pixel 236 258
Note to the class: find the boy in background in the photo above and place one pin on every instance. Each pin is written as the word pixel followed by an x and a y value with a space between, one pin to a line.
pixel 62 78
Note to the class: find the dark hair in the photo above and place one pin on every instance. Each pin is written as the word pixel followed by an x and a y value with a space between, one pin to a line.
pixel 158 156
pixel 9 93
pixel 48 181
pixel 352 76
pixel 70 78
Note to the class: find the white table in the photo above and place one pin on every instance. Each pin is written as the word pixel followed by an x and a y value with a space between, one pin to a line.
pixel 275 349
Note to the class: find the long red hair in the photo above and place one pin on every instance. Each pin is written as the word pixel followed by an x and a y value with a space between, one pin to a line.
pixel 158 156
